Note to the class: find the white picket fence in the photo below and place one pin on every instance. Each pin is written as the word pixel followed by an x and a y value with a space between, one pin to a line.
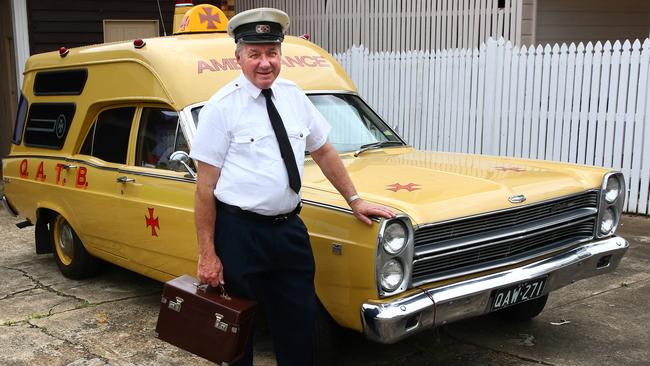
pixel 582 104
pixel 393 25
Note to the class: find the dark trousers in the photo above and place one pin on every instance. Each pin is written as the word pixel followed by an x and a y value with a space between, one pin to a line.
pixel 273 264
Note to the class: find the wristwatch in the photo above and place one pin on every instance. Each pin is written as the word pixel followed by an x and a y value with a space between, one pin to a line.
pixel 353 198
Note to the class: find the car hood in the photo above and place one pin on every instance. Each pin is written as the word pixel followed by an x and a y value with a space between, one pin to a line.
pixel 433 186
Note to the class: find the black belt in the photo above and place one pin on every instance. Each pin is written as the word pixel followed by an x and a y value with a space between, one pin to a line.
pixel 277 219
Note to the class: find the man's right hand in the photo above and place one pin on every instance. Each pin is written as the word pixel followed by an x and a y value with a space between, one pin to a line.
pixel 210 270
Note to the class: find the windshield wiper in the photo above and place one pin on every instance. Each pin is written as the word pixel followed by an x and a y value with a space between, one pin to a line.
pixel 376 145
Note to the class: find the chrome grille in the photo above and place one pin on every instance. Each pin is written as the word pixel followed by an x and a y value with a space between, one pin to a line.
pixel 483 242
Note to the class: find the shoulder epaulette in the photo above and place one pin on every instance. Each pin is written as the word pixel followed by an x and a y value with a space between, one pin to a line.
pixel 226 90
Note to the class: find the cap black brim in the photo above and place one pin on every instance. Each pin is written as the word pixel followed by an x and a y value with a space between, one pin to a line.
pixel 259 40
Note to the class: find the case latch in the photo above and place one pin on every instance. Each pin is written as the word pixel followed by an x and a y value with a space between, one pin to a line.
pixel 176 305
pixel 219 324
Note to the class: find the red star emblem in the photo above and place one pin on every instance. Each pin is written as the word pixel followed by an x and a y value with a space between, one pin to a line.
pixel 396 187
pixel 152 222
pixel 209 17
pixel 509 168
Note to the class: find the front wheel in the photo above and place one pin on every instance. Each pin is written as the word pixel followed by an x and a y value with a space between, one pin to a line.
pixel 524 311
pixel 71 257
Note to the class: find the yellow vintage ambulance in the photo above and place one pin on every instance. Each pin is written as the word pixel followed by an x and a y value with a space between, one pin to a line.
pixel 99 164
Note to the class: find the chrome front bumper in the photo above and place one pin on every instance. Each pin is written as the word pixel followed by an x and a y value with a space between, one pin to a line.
pixel 389 322
pixel 7 207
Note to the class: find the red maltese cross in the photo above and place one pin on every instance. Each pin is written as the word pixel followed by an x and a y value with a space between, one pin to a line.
pixel 209 17
pixel 509 168
pixel 396 187
pixel 152 222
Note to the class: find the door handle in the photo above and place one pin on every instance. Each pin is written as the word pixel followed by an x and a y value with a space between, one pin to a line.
pixel 125 179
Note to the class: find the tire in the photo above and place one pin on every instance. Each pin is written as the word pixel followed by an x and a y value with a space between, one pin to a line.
pixel 524 311
pixel 69 253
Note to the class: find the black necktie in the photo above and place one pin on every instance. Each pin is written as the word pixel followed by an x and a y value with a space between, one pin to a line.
pixel 283 140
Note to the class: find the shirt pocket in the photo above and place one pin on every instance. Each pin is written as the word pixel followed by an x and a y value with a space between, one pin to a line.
pixel 243 145
pixel 266 147
pixel 259 143
pixel 298 139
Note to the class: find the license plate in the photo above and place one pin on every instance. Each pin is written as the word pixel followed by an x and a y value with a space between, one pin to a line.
pixel 519 293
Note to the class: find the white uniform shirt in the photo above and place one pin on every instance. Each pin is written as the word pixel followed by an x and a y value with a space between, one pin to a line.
pixel 235 134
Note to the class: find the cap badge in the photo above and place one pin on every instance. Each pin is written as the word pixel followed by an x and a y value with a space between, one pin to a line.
pixel 263 28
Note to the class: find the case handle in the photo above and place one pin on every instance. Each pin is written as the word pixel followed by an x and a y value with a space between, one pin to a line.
pixel 206 287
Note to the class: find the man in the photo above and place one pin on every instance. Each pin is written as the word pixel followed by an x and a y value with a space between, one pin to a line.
pixel 250 146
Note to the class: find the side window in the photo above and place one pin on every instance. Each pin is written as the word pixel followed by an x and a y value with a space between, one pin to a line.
pixel 48 124
pixel 158 137
pixel 21 115
pixel 60 82
pixel 108 139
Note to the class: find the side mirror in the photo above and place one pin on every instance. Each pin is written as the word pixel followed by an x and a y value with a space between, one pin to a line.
pixel 183 158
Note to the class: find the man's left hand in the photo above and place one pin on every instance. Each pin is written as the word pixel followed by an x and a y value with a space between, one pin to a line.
pixel 363 210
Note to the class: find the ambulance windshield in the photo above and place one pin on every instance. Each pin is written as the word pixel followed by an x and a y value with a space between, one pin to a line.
pixel 354 124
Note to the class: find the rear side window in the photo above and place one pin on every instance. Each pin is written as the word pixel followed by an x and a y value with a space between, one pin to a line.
pixel 108 139
pixel 20 120
pixel 48 124
pixel 62 82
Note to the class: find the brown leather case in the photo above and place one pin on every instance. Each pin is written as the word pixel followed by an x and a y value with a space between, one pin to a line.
pixel 203 321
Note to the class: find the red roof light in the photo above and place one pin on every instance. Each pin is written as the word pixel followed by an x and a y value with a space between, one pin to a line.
pixel 63 51
pixel 138 43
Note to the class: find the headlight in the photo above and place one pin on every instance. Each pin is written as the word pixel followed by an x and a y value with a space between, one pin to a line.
pixel 612 189
pixel 392 274
pixel 608 221
pixel 612 201
pixel 395 237
pixel 394 256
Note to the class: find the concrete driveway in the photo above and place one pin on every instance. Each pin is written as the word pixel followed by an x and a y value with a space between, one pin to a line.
pixel 46 319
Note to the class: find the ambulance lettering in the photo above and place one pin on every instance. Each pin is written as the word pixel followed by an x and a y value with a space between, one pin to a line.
pixel 287 61
pixel 291 61
pixel 23 169
pixel 58 169
pixel 214 65
pixel 40 175
pixel 226 64
pixel 81 178
pixel 304 61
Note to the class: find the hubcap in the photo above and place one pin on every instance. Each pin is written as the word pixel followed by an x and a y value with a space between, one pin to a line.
pixel 65 241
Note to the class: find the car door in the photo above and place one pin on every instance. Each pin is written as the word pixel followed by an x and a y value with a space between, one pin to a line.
pixel 156 208
pixel 91 175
